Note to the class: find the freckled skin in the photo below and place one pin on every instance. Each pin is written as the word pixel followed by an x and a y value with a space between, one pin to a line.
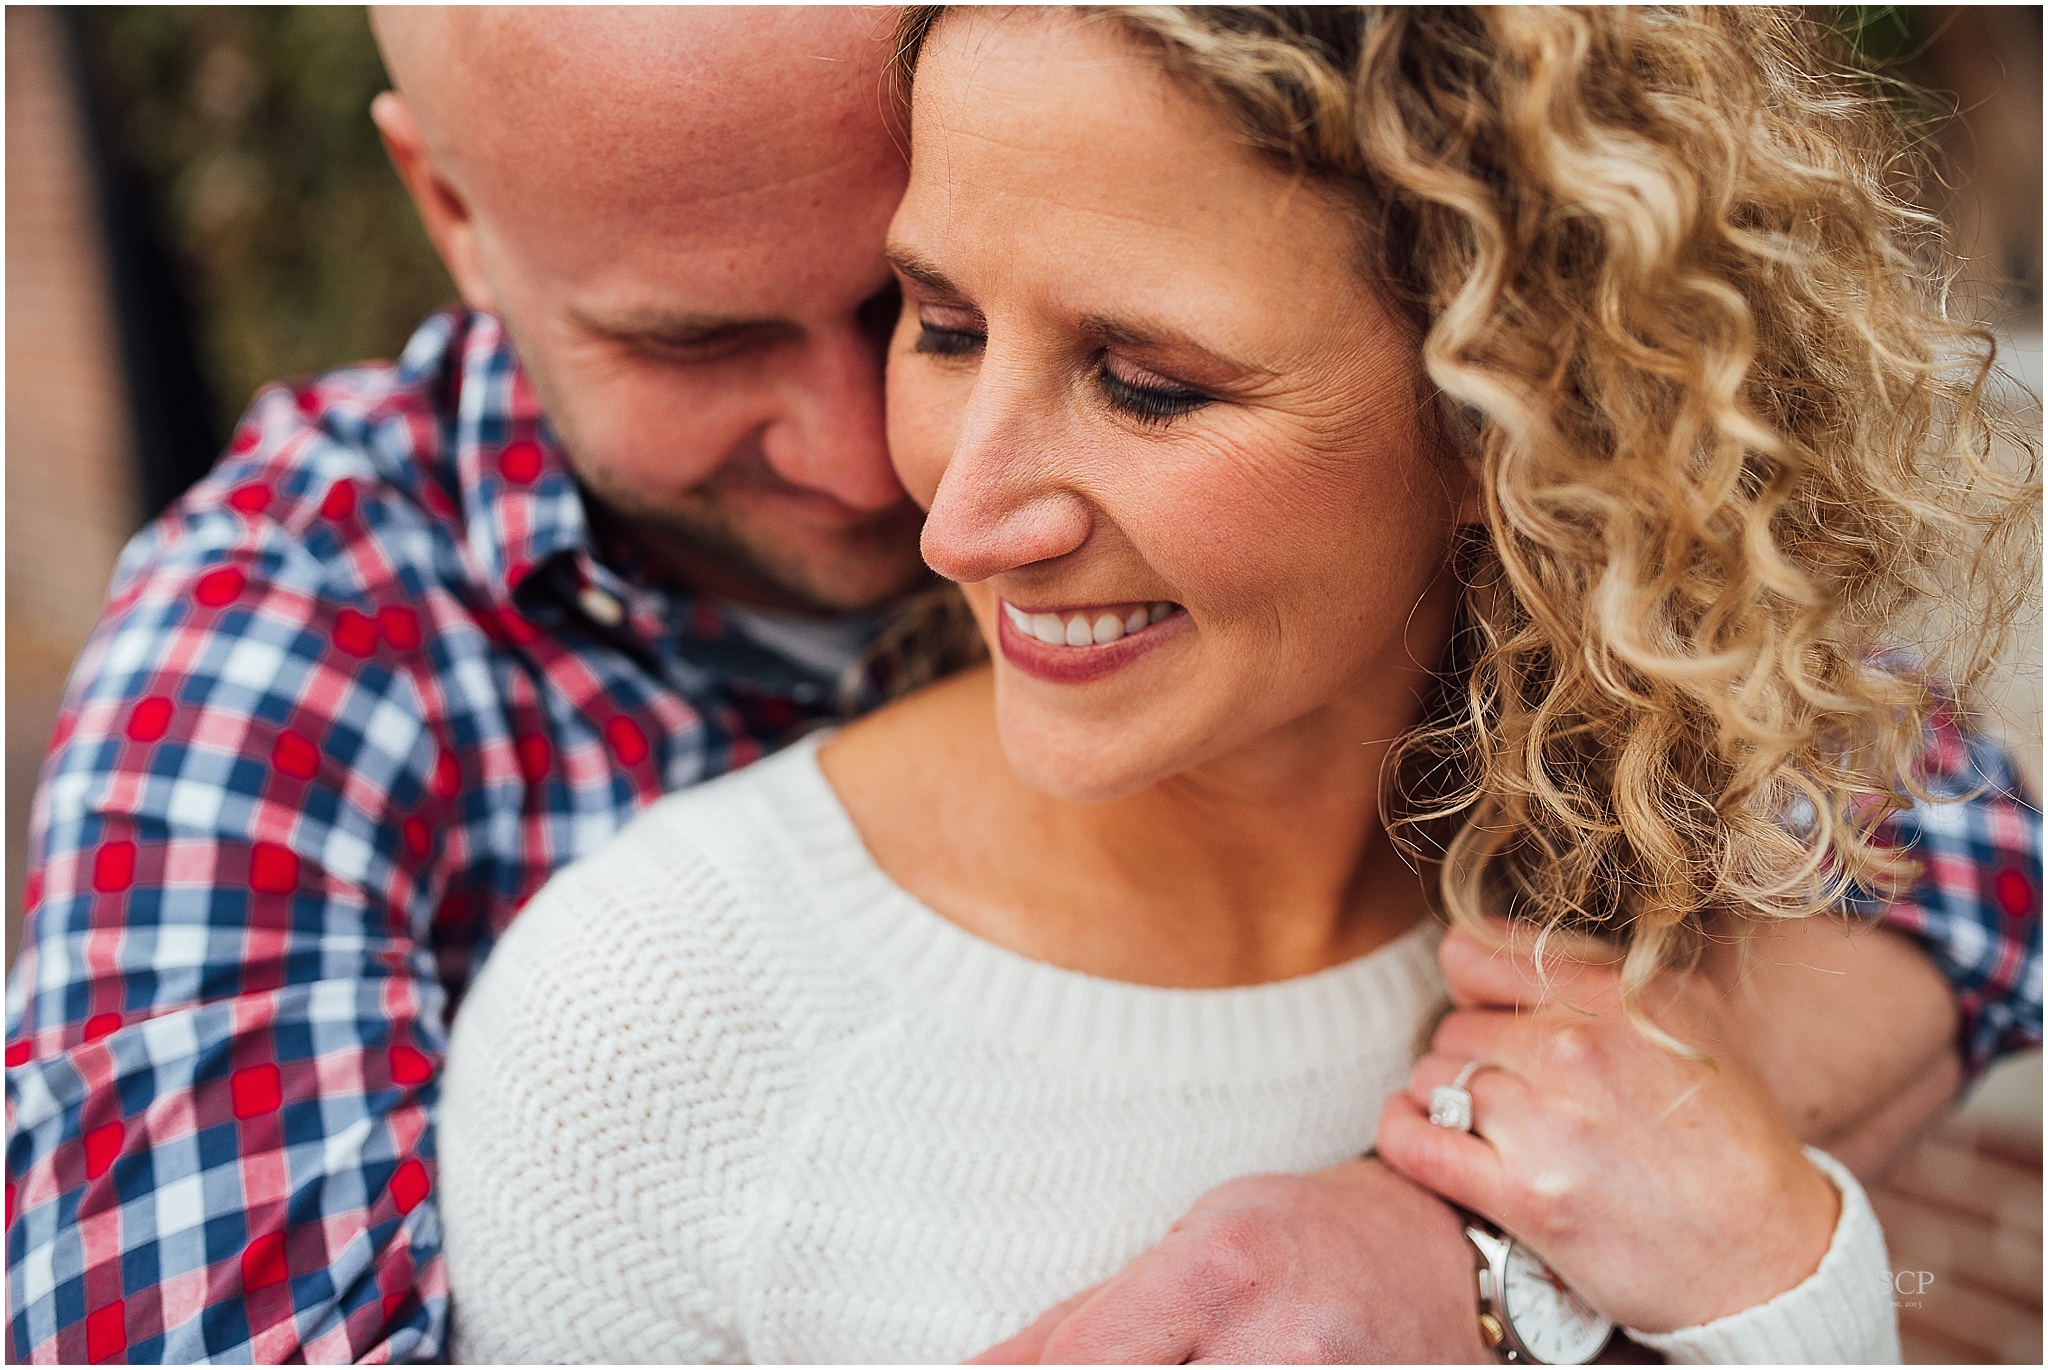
pixel 1299 521
pixel 1220 792
pixel 672 183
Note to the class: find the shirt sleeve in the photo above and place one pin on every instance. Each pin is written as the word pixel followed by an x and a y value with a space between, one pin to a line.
pixel 1842 1314
pixel 1977 904
pixel 224 1029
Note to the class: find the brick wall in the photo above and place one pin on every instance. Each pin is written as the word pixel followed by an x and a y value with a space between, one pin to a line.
pixel 70 475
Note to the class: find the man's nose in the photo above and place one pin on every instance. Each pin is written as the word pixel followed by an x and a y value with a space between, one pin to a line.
pixel 830 436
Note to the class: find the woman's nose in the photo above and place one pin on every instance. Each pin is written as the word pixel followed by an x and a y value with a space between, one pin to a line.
pixel 1002 503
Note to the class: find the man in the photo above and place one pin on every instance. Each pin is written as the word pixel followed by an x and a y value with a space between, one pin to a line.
pixel 622 522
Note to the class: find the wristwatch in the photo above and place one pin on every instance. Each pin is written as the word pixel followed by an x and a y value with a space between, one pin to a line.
pixel 1526 1313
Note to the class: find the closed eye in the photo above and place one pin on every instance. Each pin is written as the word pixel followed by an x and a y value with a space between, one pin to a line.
pixel 686 339
pixel 1151 404
pixel 934 341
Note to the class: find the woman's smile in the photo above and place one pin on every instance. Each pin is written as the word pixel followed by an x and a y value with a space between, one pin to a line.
pixel 1075 645
pixel 1154 365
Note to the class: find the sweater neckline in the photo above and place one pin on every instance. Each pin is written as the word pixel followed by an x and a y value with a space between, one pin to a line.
pixel 1328 1018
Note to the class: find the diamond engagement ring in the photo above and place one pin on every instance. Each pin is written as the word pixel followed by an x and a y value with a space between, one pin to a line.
pixel 1451 1105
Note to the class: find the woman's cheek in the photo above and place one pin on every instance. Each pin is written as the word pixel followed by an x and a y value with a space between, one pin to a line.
pixel 1248 529
pixel 923 425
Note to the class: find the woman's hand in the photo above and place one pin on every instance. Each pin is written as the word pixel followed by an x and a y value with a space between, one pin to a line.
pixel 1666 1191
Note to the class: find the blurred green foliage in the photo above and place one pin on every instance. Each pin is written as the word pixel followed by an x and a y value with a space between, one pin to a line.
pixel 1882 37
pixel 250 130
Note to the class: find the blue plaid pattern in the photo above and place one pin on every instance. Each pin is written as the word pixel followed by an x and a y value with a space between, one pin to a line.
pixel 347 710
pixel 1977 904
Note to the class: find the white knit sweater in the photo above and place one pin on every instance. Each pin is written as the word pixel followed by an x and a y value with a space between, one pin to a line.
pixel 725 1092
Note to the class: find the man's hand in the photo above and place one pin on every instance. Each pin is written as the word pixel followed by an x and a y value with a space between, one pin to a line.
pixel 1850 1025
pixel 1666 1190
pixel 1852 1030
pixel 1350 1264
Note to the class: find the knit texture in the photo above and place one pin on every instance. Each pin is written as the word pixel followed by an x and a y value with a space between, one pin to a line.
pixel 1841 1315
pixel 725 1092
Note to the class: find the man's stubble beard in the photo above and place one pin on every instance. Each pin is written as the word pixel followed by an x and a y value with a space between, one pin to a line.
pixel 701 546
pixel 701 543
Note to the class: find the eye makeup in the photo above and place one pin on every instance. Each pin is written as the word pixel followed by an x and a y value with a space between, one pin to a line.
pixel 1151 404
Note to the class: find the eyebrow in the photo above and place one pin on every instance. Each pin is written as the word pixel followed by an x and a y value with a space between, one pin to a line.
pixel 1131 335
pixel 918 268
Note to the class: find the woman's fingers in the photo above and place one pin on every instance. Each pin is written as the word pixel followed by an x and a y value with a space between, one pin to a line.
pixel 1486 1170
pixel 1458 1165
pixel 1497 1036
pixel 1503 972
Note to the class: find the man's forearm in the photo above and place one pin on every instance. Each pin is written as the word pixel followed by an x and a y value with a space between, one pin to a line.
pixel 1854 1029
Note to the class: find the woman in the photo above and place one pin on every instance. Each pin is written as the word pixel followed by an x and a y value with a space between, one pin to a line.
pixel 1494 439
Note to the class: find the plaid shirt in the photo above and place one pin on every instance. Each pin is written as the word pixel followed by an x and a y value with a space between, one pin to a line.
pixel 352 702
pixel 1977 906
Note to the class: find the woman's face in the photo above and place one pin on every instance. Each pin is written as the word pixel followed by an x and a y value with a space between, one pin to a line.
pixel 1171 443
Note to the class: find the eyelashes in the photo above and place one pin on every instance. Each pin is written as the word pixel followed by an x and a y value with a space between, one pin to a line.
pixel 1149 404
pixel 1157 404
pixel 933 341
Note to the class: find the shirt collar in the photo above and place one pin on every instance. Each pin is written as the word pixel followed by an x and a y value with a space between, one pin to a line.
pixel 524 522
pixel 520 507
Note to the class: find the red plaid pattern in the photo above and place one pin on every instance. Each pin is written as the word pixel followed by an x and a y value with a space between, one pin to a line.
pixel 344 714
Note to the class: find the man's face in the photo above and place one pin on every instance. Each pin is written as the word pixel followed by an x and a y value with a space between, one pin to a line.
pixel 690 268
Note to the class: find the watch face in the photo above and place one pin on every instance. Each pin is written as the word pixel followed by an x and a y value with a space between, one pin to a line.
pixel 1554 1323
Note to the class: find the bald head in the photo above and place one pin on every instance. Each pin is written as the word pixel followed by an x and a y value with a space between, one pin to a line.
pixel 594 107
pixel 678 214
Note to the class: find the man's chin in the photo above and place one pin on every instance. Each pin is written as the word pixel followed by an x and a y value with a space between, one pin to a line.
pixel 801 569
pixel 847 589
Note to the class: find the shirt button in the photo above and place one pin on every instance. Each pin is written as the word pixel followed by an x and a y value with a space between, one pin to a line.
pixel 603 607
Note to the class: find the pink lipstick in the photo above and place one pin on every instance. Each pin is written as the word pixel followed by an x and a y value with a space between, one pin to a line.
pixel 1076 645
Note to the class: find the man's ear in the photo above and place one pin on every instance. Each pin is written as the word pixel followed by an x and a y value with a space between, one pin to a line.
pixel 442 207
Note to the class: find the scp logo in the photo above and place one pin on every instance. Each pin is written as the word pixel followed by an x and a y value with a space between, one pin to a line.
pixel 1911 1282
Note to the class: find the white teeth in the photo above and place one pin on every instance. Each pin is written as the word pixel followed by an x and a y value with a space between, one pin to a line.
pixel 1081 630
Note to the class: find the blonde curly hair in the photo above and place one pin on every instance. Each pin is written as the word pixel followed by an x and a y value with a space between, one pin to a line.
pixel 1688 328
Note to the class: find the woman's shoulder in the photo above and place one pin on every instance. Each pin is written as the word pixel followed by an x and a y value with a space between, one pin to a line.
pixel 617 1074
pixel 728 848
pixel 694 890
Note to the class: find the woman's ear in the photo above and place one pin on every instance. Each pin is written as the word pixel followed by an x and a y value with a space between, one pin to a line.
pixel 443 209
pixel 1468 489
pixel 1451 432
pixel 1463 486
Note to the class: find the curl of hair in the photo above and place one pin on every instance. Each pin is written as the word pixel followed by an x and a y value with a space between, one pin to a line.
pixel 1692 335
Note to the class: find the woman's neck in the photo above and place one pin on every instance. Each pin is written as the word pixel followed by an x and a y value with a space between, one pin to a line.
pixel 1262 865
